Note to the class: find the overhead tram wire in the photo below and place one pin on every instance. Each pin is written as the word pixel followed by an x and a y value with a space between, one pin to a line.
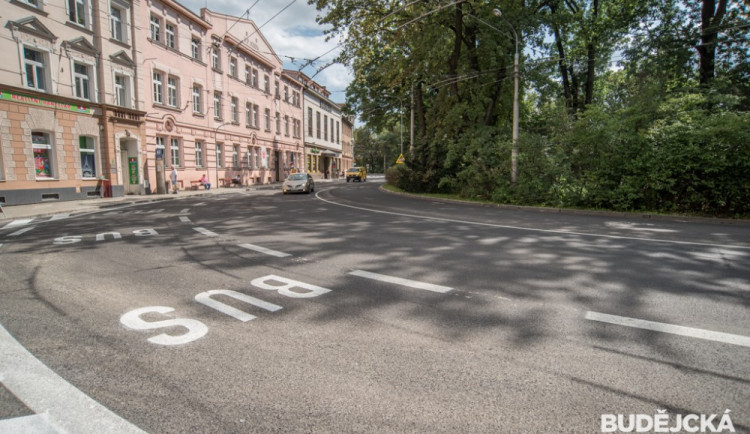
pixel 268 21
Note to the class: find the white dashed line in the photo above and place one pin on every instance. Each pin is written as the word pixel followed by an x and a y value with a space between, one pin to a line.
pixel 670 328
pixel 403 282
pixel 264 250
pixel 206 232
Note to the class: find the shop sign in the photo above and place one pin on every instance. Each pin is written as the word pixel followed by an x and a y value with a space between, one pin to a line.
pixel 8 96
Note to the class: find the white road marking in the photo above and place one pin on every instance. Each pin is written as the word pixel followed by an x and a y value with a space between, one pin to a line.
pixel 206 232
pixel 184 219
pixel 59 216
pixel 548 231
pixel 265 250
pixel 65 408
pixel 670 328
pixel 401 281
pixel 22 231
pixel 17 223
pixel 32 424
pixel 185 211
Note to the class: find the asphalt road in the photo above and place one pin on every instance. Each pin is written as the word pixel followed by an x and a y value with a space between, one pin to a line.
pixel 355 310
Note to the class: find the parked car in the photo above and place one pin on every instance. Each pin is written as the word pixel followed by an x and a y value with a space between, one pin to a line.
pixel 298 183
pixel 358 173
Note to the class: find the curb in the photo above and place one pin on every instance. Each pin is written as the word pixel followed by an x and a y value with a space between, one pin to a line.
pixel 584 212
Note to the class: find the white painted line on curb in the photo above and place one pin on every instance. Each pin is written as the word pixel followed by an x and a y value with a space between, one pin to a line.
pixel 265 250
pixel 401 281
pixel 65 408
pixel 670 328
pixel 184 219
pixel 206 232
pixel 17 223
pixel 22 231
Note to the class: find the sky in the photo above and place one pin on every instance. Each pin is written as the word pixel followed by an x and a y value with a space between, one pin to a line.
pixel 294 35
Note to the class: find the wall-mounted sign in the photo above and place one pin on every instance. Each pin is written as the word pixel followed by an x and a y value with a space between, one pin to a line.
pixel 133 170
pixel 24 99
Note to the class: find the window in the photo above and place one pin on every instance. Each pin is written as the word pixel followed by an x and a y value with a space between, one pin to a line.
pixel 215 59
pixel 88 156
pixel 115 23
pixel 174 151
pixel 325 127
pixel 34 64
pixel 233 67
pixel 278 123
pixel 81 81
pixel 197 99
pixel 235 110
pixel 157 81
pixel 248 114
pixel 172 88
pixel 286 126
pixel 268 120
pixel 286 94
pixel 276 89
pixel 255 78
pixel 219 155
pixel 236 156
pixel 155 29
pixel 217 105
pixel 266 84
pixel 338 128
pixel 122 95
pixel 198 153
pixel 43 155
pixel 33 3
pixel 309 122
pixel 256 152
pixel 77 12
pixel 248 74
pixel 317 122
pixel 169 36
pixel 256 111
pixel 195 48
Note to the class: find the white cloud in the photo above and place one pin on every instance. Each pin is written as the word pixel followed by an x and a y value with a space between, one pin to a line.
pixel 294 35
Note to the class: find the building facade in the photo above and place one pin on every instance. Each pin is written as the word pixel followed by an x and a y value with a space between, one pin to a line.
pixel 104 97
pixel 322 129
pixel 218 103
pixel 68 130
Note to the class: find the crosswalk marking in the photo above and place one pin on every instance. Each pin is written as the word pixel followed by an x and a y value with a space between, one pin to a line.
pixel 265 250
pixel 22 231
pixel 206 232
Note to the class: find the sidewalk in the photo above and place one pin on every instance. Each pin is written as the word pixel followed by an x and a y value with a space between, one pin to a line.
pixel 88 205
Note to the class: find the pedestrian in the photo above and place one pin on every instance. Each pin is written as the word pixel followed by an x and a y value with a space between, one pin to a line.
pixel 205 183
pixel 173 178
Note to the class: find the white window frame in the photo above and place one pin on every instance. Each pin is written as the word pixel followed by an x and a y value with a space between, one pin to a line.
pixel 195 48
pixel 233 67
pixel 77 11
pixel 197 98
pixel 158 86
pixel 39 69
pixel 173 94
pixel 215 56
pixel 83 83
pixel 235 155
pixel 198 153
pixel 217 105
pixel 122 92
pixel 219 155
pixel 235 110
pixel 170 35
pixel 174 152
pixel 155 28
pixel 116 23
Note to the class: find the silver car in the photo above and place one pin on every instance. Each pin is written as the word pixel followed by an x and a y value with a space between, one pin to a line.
pixel 298 183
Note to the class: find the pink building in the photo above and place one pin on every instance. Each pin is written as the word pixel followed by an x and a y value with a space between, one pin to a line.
pixel 217 100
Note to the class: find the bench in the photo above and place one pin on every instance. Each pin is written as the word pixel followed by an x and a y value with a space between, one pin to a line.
pixel 230 182
pixel 195 184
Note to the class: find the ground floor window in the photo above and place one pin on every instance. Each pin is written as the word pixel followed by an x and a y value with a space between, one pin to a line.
pixel 88 156
pixel 43 155
pixel 174 148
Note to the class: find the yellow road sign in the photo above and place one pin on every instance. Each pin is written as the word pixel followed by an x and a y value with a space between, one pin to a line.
pixel 400 159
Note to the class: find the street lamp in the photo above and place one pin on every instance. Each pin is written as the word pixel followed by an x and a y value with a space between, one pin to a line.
pixel 514 150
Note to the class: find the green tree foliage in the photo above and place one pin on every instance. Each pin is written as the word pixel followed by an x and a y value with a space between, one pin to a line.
pixel 626 104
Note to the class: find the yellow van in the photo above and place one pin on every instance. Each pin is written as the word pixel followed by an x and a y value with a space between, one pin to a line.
pixel 358 173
